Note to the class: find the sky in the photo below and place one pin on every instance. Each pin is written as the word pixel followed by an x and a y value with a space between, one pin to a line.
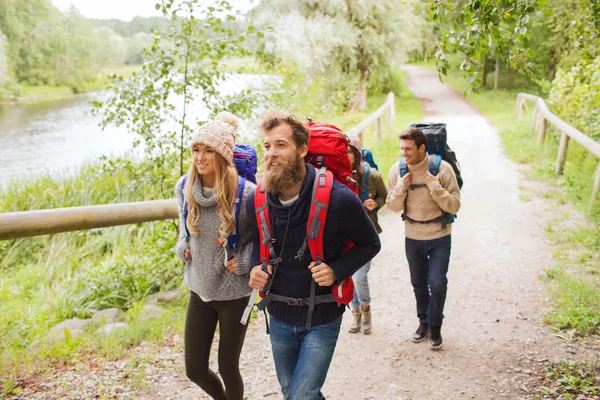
pixel 127 9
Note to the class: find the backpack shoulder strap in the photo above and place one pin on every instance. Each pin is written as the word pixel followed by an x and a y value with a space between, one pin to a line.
pixel 263 221
pixel 364 193
pixel 185 207
pixel 315 228
pixel 403 167
pixel 434 163
pixel 234 238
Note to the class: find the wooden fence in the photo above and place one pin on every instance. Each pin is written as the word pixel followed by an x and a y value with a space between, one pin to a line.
pixel 15 225
pixel 541 116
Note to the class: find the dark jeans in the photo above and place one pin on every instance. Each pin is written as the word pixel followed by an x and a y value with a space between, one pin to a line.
pixel 428 262
pixel 200 325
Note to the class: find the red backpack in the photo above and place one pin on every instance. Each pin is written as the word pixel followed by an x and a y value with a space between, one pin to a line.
pixel 328 147
pixel 328 152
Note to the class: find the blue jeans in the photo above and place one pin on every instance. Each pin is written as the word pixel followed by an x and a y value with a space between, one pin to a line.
pixel 361 286
pixel 302 357
pixel 428 262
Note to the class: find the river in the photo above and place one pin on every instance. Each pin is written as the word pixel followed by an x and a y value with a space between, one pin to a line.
pixel 56 137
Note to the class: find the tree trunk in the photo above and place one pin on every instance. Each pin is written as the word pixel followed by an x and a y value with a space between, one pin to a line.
pixel 358 102
pixel 497 73
pixel 484 74
pixel 552 66
pixel 425 51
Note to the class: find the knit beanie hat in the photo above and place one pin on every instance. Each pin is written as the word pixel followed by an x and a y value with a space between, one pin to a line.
pixel 356 143
pixel 219 134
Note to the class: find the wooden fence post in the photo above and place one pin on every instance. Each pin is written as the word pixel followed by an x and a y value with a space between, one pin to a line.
pixel 391 111
pixel 596 186
pixel 562 154
pixel 378 131
pixel 541 130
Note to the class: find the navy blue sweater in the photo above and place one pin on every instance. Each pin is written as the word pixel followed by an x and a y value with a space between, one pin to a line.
pixel 346 218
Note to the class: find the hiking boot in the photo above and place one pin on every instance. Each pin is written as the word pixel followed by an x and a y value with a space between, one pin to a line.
pixel 421 334
pixel 366 318
pixel 435 341
pixel 356 316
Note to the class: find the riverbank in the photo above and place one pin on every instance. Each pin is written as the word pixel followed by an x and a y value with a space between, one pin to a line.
pixel 32 94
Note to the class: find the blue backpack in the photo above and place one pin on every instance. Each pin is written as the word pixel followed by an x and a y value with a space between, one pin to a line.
pixel 367 155
pixel 245 161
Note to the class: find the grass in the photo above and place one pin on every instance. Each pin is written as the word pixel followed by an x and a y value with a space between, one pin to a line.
pixel 51 278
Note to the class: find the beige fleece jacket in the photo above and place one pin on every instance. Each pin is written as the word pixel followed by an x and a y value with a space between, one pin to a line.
pixel 424 203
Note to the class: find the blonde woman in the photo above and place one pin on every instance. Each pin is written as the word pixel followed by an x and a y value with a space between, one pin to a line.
pixel 216 275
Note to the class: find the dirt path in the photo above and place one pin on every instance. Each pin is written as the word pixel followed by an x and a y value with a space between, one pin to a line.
pixel 495 342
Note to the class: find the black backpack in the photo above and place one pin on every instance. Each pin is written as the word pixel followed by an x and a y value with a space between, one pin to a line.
pixel 437 144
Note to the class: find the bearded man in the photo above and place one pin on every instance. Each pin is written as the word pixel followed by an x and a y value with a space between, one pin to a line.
pixel 302 354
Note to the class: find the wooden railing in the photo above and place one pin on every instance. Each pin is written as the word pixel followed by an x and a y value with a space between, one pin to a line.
pixel 43 222
pixel 541 116
pixel 16 225
pixel 388 107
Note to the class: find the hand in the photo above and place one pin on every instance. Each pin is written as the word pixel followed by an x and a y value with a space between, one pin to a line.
pixel 370 204
pixel 258 279
pixel 232 265
pixel 187 254
pixel 322 274
pixel 407 180
pixel 429 179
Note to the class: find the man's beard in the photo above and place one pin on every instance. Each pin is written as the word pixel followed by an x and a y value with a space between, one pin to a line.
pixel 284 177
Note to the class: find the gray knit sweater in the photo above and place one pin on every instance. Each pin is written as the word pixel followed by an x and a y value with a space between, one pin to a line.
pixel 205 274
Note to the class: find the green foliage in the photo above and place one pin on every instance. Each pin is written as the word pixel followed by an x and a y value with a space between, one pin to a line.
pixel 47 279
pixel 572 379
pixel 390 81
pixel 479 28
pixel 47 47
pixel 575 97
pixel 531 36
pixel 183 67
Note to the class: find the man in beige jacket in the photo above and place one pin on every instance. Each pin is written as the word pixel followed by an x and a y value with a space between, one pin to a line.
pixel 428 203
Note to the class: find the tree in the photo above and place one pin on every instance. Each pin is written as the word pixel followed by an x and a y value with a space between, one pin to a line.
pixel 110 48
pixel 182 68
pixel 477 29
pixel 358 41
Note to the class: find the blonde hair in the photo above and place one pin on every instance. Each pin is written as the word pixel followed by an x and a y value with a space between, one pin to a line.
pixel 226 186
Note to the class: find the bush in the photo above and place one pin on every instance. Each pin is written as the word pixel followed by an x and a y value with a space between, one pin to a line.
pixel 575 97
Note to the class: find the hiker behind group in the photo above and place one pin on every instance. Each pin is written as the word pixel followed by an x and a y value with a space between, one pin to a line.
pixel 302 355
pixel 372 193
pixel 216 275
pixel 423 198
